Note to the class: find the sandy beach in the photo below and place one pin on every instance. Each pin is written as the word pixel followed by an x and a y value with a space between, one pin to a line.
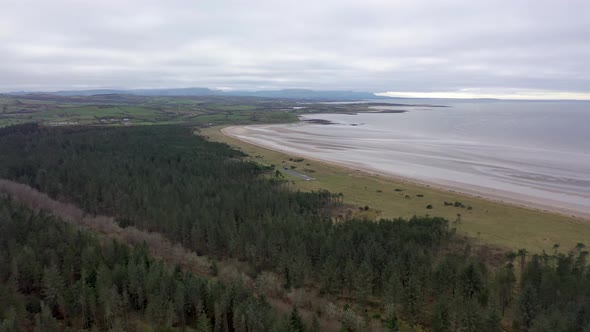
pixel 314 141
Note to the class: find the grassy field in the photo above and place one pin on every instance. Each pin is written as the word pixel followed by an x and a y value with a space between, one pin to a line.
pixel 136 110
pixel 117 110
pixel 488 221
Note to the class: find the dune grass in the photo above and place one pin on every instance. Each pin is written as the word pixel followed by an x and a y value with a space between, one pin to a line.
pixel 487 221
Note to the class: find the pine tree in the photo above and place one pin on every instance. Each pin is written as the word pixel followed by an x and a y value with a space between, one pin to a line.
pixel 180 302
pixel 10 322
pixel 287 284
pixel 505 282
pixel 492 322
pixel 471 317
pixel 53 289
pixel 391 322
pixel 315 324
pixel 363 281
pixel 471 281
pixel 412 301
pixel 295 321
pixel 213 269
pixel 14 275
pixel 528 306
pixel 329 277
pixel 349 274
pixel 522 254
pixel 441 318
pixel 83 300
pixel 44 321
pixel 204 324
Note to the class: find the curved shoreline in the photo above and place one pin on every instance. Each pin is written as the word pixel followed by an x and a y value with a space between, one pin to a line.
pixel 493 195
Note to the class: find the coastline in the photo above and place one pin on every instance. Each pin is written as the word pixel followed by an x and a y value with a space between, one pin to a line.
pixel 473 191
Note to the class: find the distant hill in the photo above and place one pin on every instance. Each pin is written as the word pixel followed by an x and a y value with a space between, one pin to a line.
pixel 141 92
pixel 308 94
pixel 285 93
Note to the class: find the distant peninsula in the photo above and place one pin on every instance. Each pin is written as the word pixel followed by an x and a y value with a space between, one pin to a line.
pixel 326 95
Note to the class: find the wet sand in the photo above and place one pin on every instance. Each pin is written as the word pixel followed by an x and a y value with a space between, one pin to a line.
pixel 409 162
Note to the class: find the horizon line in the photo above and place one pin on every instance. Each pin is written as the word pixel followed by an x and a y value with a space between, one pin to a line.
pixel 462 94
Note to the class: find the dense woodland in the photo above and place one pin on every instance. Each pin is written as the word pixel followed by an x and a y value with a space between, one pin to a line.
pixel 202 195
pixel 56 276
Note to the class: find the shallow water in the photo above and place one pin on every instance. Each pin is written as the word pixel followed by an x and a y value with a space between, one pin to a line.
pixel 536 152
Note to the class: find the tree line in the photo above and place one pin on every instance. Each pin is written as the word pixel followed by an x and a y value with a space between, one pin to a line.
pixel 55 277
pixel 204 196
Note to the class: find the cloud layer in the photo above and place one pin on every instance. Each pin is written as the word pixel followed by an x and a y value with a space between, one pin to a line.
pixel 538 47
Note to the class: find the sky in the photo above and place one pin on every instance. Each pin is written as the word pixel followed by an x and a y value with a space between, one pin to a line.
pixel 466 48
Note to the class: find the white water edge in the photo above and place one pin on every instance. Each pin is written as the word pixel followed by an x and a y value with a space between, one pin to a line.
pixel 504 168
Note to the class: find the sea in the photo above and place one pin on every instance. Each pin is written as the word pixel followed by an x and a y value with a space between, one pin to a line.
pixel 527 151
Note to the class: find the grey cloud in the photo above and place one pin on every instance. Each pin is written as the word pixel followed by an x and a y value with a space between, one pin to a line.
pixel 364 45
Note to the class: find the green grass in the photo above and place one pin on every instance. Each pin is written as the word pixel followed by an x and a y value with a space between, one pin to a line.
pixel 183 101
pixel 225 107
pixel 488 221
pixel 92 114
pixel 224 118
pixel 97 111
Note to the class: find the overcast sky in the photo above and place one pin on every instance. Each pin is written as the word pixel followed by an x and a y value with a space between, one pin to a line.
pixel 474 48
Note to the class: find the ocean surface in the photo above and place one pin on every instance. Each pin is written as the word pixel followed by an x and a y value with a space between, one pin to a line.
pixel 529 152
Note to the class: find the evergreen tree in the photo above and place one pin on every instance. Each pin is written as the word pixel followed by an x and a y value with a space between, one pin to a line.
pixel 528 306
pixel 441 317
pixel 315 324
pixel 53 289
pixel 204 324
pixel 471 281
pixel 492 321
pixel 391 321
pixel 471 317
pixel 505 281
pixel 363 281
pixel 296 323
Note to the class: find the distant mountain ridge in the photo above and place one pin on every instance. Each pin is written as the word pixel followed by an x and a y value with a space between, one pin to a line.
pixel 284 93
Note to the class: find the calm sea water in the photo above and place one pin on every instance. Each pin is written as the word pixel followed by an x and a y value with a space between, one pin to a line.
pixel 534 151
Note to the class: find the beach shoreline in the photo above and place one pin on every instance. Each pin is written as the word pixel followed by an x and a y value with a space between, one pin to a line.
pixel 494 195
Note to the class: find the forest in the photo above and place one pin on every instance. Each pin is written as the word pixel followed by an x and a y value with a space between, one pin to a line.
pixel 407 274
pixel 55 276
